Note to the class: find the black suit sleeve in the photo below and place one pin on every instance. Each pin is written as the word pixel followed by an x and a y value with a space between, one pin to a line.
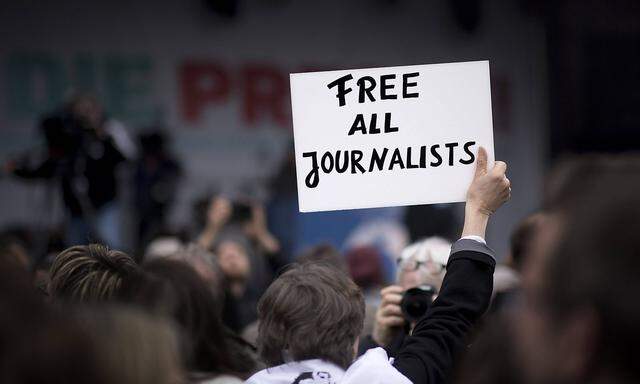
pixel 428 354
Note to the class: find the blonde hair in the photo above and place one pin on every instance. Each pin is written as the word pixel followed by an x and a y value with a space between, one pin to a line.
pixel 133 347
pixel 89 273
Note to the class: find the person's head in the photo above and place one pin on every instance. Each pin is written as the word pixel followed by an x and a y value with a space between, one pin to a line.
pixel 423 263
pixel 490 358
pixel 133 347
pixel 163 246
pixel 323 253
pixel 38 343
pixel 311 311
pixel 87 109
pixel 580 317
pixel 174 290
pixel 14 250
pixel 232 253
pixel 204 263
pixel 89 273
pixel 365 267
pixel 522 240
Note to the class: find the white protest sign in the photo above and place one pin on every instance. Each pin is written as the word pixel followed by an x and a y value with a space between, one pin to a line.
pixel 390 136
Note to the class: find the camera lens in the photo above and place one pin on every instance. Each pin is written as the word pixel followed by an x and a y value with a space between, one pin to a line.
pixel 416 301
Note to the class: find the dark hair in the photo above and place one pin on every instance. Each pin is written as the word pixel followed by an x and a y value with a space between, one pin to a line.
pixel 573 175
pixel 323 253
pixel 312 311
pixel 38 343
pixel 173 289
pixel 521 239
pixel 490 359
pixel 596 265
pixel 89 273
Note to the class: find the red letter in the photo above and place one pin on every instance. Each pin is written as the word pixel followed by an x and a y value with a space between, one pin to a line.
pixel 201 83
pixel 265 93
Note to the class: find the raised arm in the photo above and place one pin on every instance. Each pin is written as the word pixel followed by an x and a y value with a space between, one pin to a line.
pixel 428 354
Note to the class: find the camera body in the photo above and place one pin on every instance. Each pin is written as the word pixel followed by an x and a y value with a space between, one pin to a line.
pixel 416 301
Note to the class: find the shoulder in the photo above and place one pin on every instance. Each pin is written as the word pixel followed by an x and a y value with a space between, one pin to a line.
pixel 374 367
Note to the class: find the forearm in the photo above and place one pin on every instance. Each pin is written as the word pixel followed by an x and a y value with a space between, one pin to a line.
pixel 267 242
pixel 475 221
pixel 428 355
pixel 208 236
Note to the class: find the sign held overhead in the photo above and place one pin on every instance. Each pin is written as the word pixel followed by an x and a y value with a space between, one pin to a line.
pixel 391 136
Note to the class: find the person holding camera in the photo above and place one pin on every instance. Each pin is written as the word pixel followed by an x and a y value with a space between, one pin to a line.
pixel 236 232
pixel 311 316
pixel 421 269
pixel 84 149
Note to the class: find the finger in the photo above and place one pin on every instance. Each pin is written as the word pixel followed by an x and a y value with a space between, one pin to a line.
pixel 481 163
pixel 499 168
pixel 391 298
pixel 391 310
pixel 391 289
pixel 392 321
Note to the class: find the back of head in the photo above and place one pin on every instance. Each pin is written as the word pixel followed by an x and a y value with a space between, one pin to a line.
pixel 13 250
pixel 38 343
pixel 89 273
pixel 323 253
pixel 574 175
pixel 173 289
pixel 312 311
pixel 132 346
pixel 522 238
pixel 596 265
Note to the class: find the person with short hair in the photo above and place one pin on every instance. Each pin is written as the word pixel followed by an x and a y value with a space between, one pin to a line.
pixel 89 273
pixel 290 330
pixel 311 316
pixel 420 264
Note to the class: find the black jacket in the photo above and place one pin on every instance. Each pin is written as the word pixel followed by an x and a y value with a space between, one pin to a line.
pixel 83 162
pixel 427 356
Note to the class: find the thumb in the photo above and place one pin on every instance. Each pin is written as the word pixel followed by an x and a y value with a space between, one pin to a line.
pixel 481 162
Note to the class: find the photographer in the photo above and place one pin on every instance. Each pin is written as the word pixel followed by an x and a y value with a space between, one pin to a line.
pixel 237 234
pixel 84 149
pixel 421 269
pixel 312 315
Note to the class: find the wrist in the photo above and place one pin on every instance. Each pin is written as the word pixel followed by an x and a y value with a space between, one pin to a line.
pixel 475 221
pixel 212 227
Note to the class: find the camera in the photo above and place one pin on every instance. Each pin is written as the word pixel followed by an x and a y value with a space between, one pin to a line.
pixel 416 301
pixel 241 212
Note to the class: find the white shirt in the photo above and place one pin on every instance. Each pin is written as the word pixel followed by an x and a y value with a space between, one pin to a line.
pixel 374 367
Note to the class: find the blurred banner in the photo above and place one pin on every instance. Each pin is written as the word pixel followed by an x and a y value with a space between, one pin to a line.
pixel 220 83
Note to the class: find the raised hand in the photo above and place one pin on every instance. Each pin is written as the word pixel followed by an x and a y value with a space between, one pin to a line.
pixel 489 188
pixel 488 191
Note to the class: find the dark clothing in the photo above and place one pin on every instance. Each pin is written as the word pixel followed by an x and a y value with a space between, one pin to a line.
pixel 155 182
pixel 427 356
pixel 367 342
pixel 239 312
pixel 84 162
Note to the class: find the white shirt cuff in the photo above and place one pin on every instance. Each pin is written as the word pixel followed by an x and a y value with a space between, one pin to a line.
pixel 477 238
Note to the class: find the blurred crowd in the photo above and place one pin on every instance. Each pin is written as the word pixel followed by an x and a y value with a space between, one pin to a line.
pixel 225 303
